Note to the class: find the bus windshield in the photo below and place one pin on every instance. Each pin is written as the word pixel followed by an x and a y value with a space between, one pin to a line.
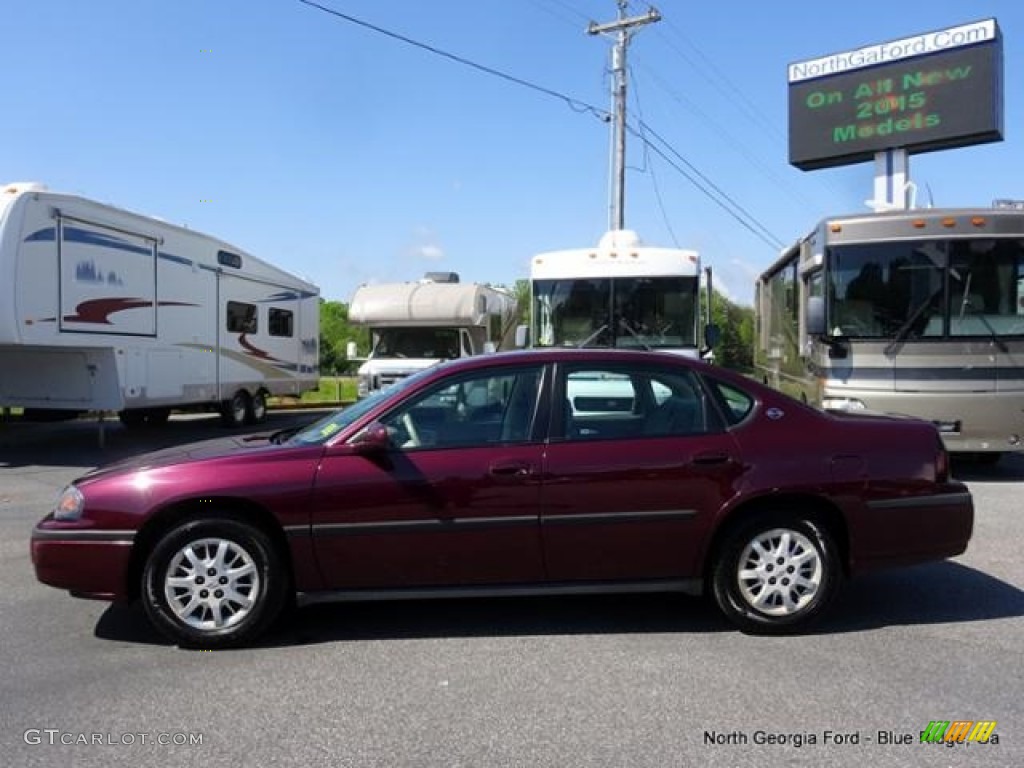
pixel 926 289
pixel 651 312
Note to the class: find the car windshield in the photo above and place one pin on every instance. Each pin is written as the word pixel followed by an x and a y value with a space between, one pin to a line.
pixel 324 429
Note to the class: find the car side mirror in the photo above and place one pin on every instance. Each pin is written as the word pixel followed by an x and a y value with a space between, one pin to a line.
pixel 374 439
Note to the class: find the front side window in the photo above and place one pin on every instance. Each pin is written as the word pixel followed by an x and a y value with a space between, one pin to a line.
pixel 241 317
pixel 482 409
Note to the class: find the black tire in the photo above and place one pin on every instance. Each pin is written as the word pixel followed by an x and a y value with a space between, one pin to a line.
pixel 136 418
pixel 785 593
pixel 256 413
pixel 158 416
pixel 988 459
pixel 233 412
pixel 132 419
pixel 236 608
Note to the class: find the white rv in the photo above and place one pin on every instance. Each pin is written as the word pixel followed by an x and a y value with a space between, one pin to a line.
pixel 416 325
pixel 106 310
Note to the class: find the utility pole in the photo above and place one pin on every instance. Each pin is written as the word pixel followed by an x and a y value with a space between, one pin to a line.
pixel 621 28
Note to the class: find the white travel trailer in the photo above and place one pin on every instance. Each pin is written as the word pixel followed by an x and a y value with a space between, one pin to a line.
pixel 416 325
pixel 106 310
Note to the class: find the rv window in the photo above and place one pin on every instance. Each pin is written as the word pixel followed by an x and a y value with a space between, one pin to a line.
pixel 228 259
pixel 241 317
pixel 280 322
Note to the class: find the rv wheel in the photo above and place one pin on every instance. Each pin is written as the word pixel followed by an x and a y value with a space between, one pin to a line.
pixel 233 411
pixel 257 412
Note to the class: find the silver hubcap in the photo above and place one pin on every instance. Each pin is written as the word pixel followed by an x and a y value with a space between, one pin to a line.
pixel 212 584
pixel 779 572
pixel 259 406
pixel 238 408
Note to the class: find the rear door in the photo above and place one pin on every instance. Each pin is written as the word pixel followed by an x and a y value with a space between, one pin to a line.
pixel 637 467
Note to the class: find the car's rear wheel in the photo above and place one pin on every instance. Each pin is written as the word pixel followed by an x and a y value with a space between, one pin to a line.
pixel 213 583
pixel 776 574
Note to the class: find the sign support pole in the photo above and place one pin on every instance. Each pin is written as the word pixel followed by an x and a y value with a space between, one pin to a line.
pixel 892 180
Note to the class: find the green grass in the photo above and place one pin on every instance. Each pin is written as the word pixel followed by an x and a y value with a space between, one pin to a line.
pixel 332 389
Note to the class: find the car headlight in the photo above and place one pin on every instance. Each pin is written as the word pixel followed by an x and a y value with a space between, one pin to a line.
pixel 69 505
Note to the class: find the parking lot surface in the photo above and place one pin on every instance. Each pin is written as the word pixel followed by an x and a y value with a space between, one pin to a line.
pixel 598 681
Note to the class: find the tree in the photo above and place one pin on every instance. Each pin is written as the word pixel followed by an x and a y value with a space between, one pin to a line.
pixel 735 347
pixel 335 333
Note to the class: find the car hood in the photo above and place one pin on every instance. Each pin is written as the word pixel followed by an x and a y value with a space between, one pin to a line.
pixel 225 447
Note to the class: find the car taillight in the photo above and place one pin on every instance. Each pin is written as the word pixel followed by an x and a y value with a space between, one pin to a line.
pixel 941 462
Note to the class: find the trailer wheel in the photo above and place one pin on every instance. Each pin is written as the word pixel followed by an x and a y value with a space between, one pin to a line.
pixel 132 419
pixel 257 411
pixel 233 411
pixel 158 416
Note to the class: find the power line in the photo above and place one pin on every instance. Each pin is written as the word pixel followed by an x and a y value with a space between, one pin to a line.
pixel 574 104
pixel 733 208
pixel 718 196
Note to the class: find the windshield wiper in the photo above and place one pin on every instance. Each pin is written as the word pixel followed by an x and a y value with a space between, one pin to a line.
pixel 904 330
pixel 593 336
pixel 633 333
pixel 283 434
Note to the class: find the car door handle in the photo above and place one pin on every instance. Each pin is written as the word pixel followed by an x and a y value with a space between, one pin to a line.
pixel 708 459
pixel 511 469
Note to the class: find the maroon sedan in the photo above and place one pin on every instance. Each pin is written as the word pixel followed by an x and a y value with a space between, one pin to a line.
pixel 566 471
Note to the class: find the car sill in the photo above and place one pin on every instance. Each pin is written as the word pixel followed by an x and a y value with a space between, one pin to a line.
pixel 692 587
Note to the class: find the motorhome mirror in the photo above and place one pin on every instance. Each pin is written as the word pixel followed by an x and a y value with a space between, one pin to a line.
pixel 816 316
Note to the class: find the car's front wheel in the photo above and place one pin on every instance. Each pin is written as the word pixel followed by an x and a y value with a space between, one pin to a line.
pixel 776 574
pixel 213 583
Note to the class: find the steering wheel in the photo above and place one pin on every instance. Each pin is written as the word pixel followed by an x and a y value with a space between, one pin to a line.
pixel 410 429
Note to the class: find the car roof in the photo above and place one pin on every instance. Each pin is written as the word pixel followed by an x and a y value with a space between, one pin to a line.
pixel 549 355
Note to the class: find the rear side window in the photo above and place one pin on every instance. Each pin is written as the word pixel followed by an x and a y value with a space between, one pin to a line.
pixel 280 322
pixel 622 402
pixel 736 404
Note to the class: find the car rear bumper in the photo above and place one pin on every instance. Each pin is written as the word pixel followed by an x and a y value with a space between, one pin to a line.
pixel 913 529
pixel 86 562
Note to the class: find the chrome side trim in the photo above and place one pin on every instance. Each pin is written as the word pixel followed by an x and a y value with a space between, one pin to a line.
pixel 687 586
pixel 87 534
pixel 620 517
pixel 424 525
pixel 913 502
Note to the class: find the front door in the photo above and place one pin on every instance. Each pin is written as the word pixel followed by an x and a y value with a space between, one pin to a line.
pixel 454 502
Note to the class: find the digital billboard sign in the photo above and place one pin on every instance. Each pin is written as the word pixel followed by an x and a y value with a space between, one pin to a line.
pixel 934 91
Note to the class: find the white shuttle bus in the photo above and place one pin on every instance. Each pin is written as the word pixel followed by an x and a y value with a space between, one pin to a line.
pixel 917 312
pixel 106 310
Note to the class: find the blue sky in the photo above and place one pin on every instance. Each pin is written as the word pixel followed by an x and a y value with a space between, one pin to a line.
pixel 347 156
